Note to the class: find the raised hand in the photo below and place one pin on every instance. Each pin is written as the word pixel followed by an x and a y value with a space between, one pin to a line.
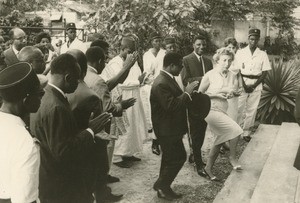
pixel 191 87
pixel 98 124
pixel 142 77
pixel 128 103
pixel 130 60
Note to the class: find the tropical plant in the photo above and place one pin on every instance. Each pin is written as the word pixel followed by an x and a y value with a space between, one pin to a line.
pixel 279 92
pixel 176 18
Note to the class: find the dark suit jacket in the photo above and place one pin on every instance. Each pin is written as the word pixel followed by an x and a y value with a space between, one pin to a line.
pixel 192 68
pixel 168 107
pixel 83 102
pixel 61 146
pixel 10 57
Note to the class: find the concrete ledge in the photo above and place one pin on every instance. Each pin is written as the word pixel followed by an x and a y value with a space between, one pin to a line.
pixel 279 179
pixel 239 186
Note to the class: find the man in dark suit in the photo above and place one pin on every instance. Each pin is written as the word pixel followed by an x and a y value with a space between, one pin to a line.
pixel 168 111
pixel 84 101
pixel 63 145
pixel 19 40
pixel 195 66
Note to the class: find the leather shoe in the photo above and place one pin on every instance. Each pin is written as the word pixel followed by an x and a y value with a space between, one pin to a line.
pixel 247 138
pixel 123 164
pixel 191 158
pixel 113 198
pixel 130 158
pixel 174 194
pixel 112 179
pixel 155 148
pixel 164 194
pixel 155 186
pixel 201 172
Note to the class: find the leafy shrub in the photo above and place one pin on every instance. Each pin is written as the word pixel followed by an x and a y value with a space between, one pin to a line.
pixel 279 92
pixel 171 18
pixel 15 18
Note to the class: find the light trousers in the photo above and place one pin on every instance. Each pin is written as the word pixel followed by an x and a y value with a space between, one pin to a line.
pixel 248 103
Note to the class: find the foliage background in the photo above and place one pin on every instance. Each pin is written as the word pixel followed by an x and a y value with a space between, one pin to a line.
pixel 180 18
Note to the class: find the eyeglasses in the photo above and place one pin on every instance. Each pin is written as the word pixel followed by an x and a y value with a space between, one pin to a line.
pixel 21 38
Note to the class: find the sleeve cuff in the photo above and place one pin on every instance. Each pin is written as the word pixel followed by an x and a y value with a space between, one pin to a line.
pixel 92 133
pixel 189 95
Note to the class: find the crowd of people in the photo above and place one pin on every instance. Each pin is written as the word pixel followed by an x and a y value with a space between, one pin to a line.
pixel 66 115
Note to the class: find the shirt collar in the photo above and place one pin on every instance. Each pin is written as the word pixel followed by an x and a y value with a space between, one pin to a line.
pixel 169 74
pixel 10 118
pixel 198 56
pixel 58 89
pixel 94 69
pixel 14 50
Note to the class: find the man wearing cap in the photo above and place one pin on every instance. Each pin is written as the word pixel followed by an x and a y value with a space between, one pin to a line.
pixel 73 42
pixel 21 92
pixel 170 44
pixel 253 64
pixel 34 56
pixel 63 144
pixel 19 40
pixel 153 64
pixel 195 65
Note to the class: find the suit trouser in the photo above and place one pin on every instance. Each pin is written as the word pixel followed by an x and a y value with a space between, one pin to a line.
pixel 103 168
pixel 197 131
pixel 110 151
pixel 248 103
pixel 173 158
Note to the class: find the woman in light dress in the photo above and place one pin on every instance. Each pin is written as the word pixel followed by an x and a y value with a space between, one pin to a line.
pixel 221 84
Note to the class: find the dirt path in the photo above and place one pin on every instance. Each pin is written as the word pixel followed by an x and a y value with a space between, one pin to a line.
pixel 136 182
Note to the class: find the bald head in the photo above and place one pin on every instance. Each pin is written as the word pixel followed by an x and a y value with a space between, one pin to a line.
pixel 34 56
pixel 18 37
pixel 81 59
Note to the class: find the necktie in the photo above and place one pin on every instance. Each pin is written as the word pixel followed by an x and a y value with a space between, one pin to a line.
pixel 202 63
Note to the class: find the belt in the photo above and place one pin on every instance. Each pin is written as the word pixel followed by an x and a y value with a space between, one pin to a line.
pixel 251 76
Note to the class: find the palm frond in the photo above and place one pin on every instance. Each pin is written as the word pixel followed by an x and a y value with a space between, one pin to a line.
pixel 279 91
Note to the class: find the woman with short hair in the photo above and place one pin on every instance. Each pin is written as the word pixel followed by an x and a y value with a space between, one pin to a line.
pixel 221 84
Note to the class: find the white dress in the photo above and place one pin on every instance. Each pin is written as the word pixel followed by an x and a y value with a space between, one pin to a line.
pixel 221 125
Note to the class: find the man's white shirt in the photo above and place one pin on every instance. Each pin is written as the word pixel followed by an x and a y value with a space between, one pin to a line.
pixel 76 44
pixel 20 161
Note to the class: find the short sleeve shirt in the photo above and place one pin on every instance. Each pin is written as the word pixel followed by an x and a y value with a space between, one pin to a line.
pixel 250 64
